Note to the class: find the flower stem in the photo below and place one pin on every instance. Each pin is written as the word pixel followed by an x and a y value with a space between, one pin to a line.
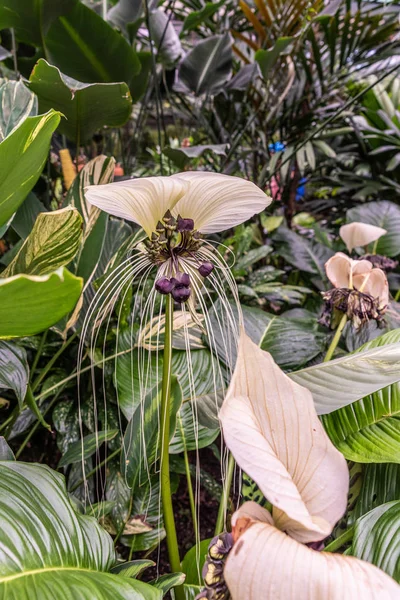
pixel 51 362
pixel 347 536
pixel 336 338
pixel 219 527
pixel 189 480
pixel 168 512
pixel 397 296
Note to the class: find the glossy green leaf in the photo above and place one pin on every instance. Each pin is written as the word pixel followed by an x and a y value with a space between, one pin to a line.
pixel 133 568
pixel 190 565
pixel 380 484
pixel 189 434
pixel 96 53
pixel 208 65
pixel 22 157
pixel 14 369
pixel 86 447
pixel 340 382
pixel 5 451
pixel 31 303
pixel 52 243
pixel 168 581
pixel 16 104
pixel 382 214
pixel 86 107
pixel 25 217
pixel 377 538
pixel 181 157
pixel 45 545
pixel 306 255
pixel 267 59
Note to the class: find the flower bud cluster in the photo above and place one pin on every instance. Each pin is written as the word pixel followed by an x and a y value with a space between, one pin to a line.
pixel 178 286
pixel 213 570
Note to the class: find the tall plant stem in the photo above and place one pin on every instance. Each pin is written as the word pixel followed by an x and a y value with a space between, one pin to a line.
pixel 38 352
pixel 51 362
pixel 336 339
pixel 168 512
pixel 225 496
pixel 347 536
pixel 189 480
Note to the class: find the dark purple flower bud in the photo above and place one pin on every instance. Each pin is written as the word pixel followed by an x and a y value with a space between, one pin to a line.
pixel 164 285
pixel 181 279
pixel 180 293
pixel 185 224
pixel 318 546
pixel 205 269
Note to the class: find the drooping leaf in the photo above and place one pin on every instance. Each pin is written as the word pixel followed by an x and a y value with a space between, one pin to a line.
pixel 133 568
pixel 16 104
pixel 182 156
pixel 14 369
pixel 86 447
pixel 5 451
pixel 383 214
pixel 302 253
pixel 267 59
pixel 52 243
pixel 46 545
pixel 87 107
pixel 340 382
pixel 31 303
pixel 22 156
pixel 377 538
pixel 208 65
pixel 168 581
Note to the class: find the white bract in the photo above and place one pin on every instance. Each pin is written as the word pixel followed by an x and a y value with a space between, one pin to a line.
pixel 356 235
pixel 271 427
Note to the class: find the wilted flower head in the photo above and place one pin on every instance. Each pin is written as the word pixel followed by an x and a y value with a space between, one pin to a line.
pixel 271 427
pixel 357 234
pixel 361 291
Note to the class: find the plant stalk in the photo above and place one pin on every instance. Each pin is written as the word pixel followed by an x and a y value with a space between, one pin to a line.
pixel 189 481
pixel 223 506
pixel 347 536
pixel 336 339
pixel 168 512
pixel 51 362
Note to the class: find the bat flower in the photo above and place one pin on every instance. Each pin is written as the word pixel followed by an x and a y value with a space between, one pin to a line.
pixel 271 427
pixel 356 235
pixel 360 290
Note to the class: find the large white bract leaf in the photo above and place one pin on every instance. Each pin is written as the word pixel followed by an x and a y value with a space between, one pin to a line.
pixel 340 382
pixel 266 564
pixel 271 427
pixel 144 200
pixel 358 234
pixel 218 202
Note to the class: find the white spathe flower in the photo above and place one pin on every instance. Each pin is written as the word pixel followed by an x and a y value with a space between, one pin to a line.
pixel 344 272
pixel 356 235
pixel 213 201
pixel 271 427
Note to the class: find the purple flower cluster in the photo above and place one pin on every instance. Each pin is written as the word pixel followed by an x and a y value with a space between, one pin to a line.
pixel 179 286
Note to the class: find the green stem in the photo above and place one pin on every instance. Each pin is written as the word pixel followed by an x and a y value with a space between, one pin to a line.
pixel 189 480
pixel 397 296
pixel 51 362
pixel 375 247
pixel 347 536
pixel 93 471
pixel 223 506
pixel 168 512
pixel 38 352
pixel 336 339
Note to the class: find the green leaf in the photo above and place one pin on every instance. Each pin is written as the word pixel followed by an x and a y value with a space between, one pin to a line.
pixel 133 568
pixel 22 157
pixel 86 447
pixel 306 255
pixel 46 545
pixel 52 243
pixel 192 591
pixel 14 369
pixel 267 59
pixel 382 214
pixel 377 538
pixel 168 581
pixel 139 82
pixel 25 217
pixel 182 156
pixel 197 17
pixel 96 53
pixel 250 258
pixel 189 434
pixel 208 65
pixel 190 565
pixel 5 451
pixel 31 303
pixel 17 103
pixel 380 484
pixel 86 107
pixel 142 436
pixel 340 382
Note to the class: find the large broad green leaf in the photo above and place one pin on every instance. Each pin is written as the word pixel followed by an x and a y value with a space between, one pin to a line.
pixel 16 104
pixel 46 547
pixel 31 303
pixel 208 65
pixel 383 214
pixel 377 538
pixel 25 217
pixel 86 107
pixel 189 434
pixel 52 243
pixel 340 382
pixel 380 484
pixel 86 447
pixel 267 59
pixel 141 444
pixel 22 157
pixel 190 565
pixel 14 369
pixel 306 255
pixel 84 46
